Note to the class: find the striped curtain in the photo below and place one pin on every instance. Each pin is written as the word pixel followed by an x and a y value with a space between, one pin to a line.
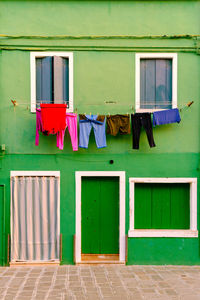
pixel 35 218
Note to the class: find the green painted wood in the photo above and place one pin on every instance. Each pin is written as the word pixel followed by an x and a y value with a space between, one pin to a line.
pixel 90 199
pixel 160 209
pixel 100 215
pixel 142 220
pixel 162 206
pixel 180 206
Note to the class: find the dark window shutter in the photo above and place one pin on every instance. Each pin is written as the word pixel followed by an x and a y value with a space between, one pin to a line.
pixel 61 80
pixel 44 82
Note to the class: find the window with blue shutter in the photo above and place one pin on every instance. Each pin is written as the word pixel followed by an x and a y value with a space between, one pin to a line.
pixel 156 83
pixel 52 79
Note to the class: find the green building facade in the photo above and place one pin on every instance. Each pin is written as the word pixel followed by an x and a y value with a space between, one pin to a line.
pixel 141 204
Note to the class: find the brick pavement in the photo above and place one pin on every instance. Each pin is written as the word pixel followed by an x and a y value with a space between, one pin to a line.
pixel 100 282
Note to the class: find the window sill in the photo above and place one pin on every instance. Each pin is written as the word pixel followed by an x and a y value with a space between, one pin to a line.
pixel 162 233
pixel 150 110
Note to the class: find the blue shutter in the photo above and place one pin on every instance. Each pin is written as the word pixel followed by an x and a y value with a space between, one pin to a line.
pixel 156 83
pixel 163 83
pixel 44 82
pixel 38 79
pixel 61 80
pixel 66 79
pixel 147 79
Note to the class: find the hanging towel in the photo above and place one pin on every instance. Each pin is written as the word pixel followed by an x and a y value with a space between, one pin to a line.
pixel 166 117
pixel 118 123
pixel 53 117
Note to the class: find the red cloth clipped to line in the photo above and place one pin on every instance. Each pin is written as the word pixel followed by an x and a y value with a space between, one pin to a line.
pixel 53 117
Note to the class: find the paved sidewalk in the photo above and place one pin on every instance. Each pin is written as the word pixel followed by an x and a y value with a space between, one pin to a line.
pixel 100 282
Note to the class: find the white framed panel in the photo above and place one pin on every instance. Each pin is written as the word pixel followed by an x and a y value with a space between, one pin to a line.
pixel 122 238
pixel 192 232
pixel 36 174
pixel 33 56
pixel 138 57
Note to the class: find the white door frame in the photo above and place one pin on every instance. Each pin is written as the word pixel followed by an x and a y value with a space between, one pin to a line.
pixel 122 239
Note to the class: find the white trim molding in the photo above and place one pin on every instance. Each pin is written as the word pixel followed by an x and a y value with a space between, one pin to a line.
pixel 33 56
pixel 34 173
pixel 192 232
pixel 122 239
pixel 138 57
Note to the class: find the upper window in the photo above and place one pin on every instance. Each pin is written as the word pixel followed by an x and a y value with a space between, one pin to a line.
pixel 51 78
pixel 156 81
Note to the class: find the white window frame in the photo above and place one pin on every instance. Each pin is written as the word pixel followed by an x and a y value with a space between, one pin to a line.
pixel 138 57
pixel 33 56
pixel 122 183
pixel 192 232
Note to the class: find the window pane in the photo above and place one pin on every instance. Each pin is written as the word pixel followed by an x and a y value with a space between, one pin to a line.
pixel 44 82
pixel 156 83
pixel 162 206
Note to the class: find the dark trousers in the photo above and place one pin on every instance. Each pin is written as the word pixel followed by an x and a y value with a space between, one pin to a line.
pixel 137 121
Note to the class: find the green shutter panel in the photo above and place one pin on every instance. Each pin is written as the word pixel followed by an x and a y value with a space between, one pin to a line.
pixel 162 206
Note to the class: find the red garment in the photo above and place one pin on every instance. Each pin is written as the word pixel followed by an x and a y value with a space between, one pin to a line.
pixel 53 117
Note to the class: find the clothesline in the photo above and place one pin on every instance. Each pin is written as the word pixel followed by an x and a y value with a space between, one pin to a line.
pixel 15 103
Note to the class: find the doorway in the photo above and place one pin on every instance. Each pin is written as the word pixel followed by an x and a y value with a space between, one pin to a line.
pixel 35 217
pixel 100 217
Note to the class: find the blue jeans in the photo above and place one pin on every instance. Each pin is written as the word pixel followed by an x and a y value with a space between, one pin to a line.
pixel 85 127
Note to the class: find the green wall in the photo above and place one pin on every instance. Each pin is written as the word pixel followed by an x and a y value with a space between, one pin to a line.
pixel 104 70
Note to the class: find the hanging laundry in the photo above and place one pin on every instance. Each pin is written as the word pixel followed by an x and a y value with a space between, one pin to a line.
pixel 166 117
pixel 53 117
pixel 71 124
pixel 138 120
pixel 118 123
pixel 39 126
pixel 86 123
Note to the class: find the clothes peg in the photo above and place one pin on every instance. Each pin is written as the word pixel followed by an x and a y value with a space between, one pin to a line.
pixel 14 102
pixel 190 103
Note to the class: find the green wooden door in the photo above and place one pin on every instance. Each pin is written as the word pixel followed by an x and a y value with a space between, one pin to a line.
pixel 100 215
